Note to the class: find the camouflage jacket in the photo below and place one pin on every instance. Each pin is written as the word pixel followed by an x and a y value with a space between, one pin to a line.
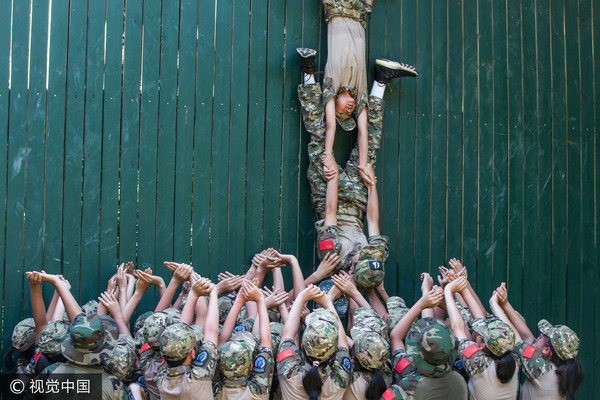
pixel 531 361
pixel 355 9
pixel 472 357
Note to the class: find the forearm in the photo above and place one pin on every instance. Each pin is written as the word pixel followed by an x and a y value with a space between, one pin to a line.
pixel 211 325
pixel 122 295
pixel 473 304
pixel 457 324
pixel 363 142
pixel 373 211
pixel 229 323
pixel 331 202
pixel 187 314
pixel 130 286
pixel 121 324
pixel 382 293
pixel 376 303
pixel 278 280
pixel 519 324
pixel 52 306
pixel 71 305
pixel 477 299
pixel 297 276
pixel 359 299
pixel 399 332
pixel 290 329
pixel 264 324
pixel 499 313
pixel 132 304
pixel 167 297
pixel 38 310
pixel 59 311
pixel 202 311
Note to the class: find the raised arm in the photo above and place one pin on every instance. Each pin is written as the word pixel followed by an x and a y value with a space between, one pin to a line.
pixel 37 303
pixel 325 269
pixel 372 201
pixel 499 312
pixel 180 275
pixel 141 286
pixel 324 301
pixel 346 285
pixel 520 325
pixel 109 301
pixel 231 319
pixel 290 329
pixel 253 293
pixel 71 306
pixel 457 324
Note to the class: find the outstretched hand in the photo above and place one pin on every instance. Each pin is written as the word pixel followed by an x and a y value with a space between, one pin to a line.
pixel 367 174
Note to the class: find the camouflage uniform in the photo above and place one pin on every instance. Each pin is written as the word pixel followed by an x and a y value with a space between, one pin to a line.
pixel 293 364
pixel 346 69
pixel 123 361
pixel 347 237
pixel 320 336
pixel 341 304
pixel 186 381
pixel 51 337
pixel 542 381
pixel 23 337
pixel 397 309
pixel 150 359
pixel 89 341
pixel 369 272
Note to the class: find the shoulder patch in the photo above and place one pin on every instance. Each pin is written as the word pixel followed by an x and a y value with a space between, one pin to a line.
pixel 376 265
pixel 201 359
pixel 285 354
pixel 36 358
pixel 346 364
pixel 529 351
pixel 260 364
pixel 325 244
pixel 388 395
pixel 469 351
pixel 401 366
pixel 145 347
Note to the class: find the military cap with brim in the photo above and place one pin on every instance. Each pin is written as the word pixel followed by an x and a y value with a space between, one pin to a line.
pixel 498 337
pixel 51 337
pixel 320 337
pixel 432 346
pixel 90 339
pixel 396 310
pixel 235 356
pixel 369 270
pixel 23 335
pixel 564 340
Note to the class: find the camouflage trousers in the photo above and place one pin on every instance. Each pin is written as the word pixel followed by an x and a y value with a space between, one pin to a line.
pixel 352 192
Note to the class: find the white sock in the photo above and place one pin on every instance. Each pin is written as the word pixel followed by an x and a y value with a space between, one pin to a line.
pixel 309 79
pixel 377 90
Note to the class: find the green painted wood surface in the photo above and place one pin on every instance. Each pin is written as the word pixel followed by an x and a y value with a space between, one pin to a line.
pixel 187 144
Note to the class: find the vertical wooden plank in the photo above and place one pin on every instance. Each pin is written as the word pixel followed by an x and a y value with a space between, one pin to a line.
pixel 388 160
pixel 73 184
pixel 500 143
pixel 5 34
pixel 148 142
pixel 291 150
pixel 595 18
pixel 273 124
pixel 423 133
pixel 165 186
pixel 239 136
pixel 545 161
pixel 559 163
pixel 454 121
pixel 529 84
pixel 470 71
pixel 439 134
pixel 406 105
pixel 221 139
pixel 515 159
pixel 92 142
pixel 188 12
pixel 485 246
pixel 34 197
pixel 203 136
pixel 589 258
pixel 130 136
pixel 573 168
pixel 17 154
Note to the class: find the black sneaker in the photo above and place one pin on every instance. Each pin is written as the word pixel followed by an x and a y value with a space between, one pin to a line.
pixel 386 70
pixel 308 59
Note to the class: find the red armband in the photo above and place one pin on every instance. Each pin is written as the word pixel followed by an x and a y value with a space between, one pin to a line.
pixel 401 366
pixel 285 354
pixel 326 245
pixel 388 394
pixel 145 347
pixel 529 351
pixel 469 351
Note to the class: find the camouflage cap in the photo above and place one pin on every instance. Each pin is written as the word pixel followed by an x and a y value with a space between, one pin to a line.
pixel 123 361
pixel 154 326
pixel 276 331
pixel 366 318
pixel 396 310
pixel 321 334
pixel 347 124
pixel 91 307
pixel 564 340
pixel 199 332
pixel 173 313
pixel 51 337
pixel 369 270
pixel 139 321
pixel 235 356
pixel 433 347
pixel 23 335
pixel 341 304
pixel 498 337
pixel 90 339
pixel 465 313
pixel 225 304
pixel 370 348
pixel 177 341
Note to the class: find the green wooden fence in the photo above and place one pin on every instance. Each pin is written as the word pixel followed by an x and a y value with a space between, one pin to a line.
pixel 145 130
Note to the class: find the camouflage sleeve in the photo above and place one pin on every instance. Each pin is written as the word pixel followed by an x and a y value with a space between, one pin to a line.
pixel 531 360
pixel 119 390
pixel 375 121
pixel 472 357
pixel 341 367
pixel 404 374
pixel 328 240
pixel 146 355
pixel 381 243
pixel 290 360
pixel 205 363
pixel 394 392
pixel 262 372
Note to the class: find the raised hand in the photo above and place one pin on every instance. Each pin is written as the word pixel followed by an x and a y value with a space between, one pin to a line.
pixel 328 264
pixel 344 283
pixel 275 298
pixel 457 285
pixel 250 291
pixel 432 298
pixel 109 301
pixel 229 283
pixel 427 282
pixel 182 273
pixel 202 287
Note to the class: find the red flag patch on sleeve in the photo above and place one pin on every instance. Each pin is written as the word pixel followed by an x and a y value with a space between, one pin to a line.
pixel 285 354
pixel 36 358
pixel 388 395
pixel 529 351
pixel 325 244
pixel 145 347
pixel 402 364
pixel 469 351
